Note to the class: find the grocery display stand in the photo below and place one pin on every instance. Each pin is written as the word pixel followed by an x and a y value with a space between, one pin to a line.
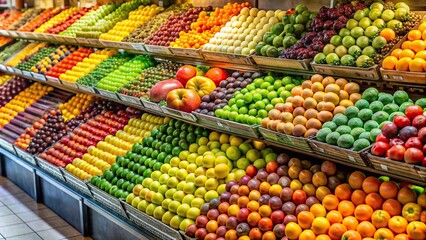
pixel 102 216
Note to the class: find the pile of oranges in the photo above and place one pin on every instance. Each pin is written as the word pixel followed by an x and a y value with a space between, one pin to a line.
pixel 412 54
pixel 207 25
pixel 310 105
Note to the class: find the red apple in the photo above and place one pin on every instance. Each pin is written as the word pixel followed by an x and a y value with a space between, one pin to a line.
pixel 413 156
pixel 277 216
pixel 419 121
pixel 242 214
pixel 217 75
pixel 185 73
pixel 396 152
pixel 422 134
pixel 413 111
pixel 413 142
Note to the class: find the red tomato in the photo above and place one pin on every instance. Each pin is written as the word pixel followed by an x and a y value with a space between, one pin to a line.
pixel 402 121
pixel 379 149
pixel 382 138
pixel 413 111
pixel 217 75
pixel 413 156
pixel 299 197
pixel 396 152
pixel 413 142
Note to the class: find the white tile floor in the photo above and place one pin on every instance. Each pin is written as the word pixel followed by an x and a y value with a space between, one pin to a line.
pixel 22 218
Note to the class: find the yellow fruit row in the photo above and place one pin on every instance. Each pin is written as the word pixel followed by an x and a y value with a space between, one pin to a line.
pixel 87 65
pixel 73 107
pixel 136 18
pixel 99 158
pixel 29 50
pixel 56 19
pixel 5 78
pixel 21 101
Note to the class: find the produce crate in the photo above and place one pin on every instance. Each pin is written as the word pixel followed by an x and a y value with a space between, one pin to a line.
pixel 25 156
pixel 107 200
pixel 130 99
pixel 69 85
pixel 13 34
pixel 158 49
pixel 151 105
pixel 39 77
pixel 138 46
pixel 403 76
pixel 282 63
pixel 179 114
pixel 371 73
pixel 151 224
pixel 187 52
pixel 68 40
pixel 219 124
pixel 53 80
pixel 50 168
pixel 299 143
pixel 397 167
pixel 107 94
pixel 227 57
pixel 76 183
pixel 114 44
pixel 7 146
pixel 87 89
pixel 186 237
pixel 345 155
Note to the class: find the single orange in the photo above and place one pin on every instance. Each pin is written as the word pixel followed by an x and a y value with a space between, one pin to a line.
pixel 414 35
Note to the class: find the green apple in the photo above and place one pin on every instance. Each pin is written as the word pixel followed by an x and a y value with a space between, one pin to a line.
pixel 183 209
pixel 197 202
pixel 210 173
pixel 163 189
pixel 154 186
pixel 181 174
pixel 165 168
pixel 252 155
pixel 143 192
pixel 193 156
pixel 146 182
pixel 173 206
pixel 159 212
pixel 130 198
pixel 211 184
pixel 190 177
pixel 200 192
pixel 175 221
pixel 200 171
pixel 136 201
pixel 189 188
pixel 172 182
pixel 239 174
pixel 270 157
pixel 181 185
pixel 167 216
pixel 191 168
pixel 157 198
pixel 165 203
pixel 169 193
pixel 178 196
pixel 265 152
pixel 183 164
pixel 221 188
pixel 143 205
pixel 156 175
pixel 200 180
pixel 174 162
pixel 172 171
pixel 163 178
pixel 220 159
pixel 210 195
pixel 193 213
pixel 188 198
